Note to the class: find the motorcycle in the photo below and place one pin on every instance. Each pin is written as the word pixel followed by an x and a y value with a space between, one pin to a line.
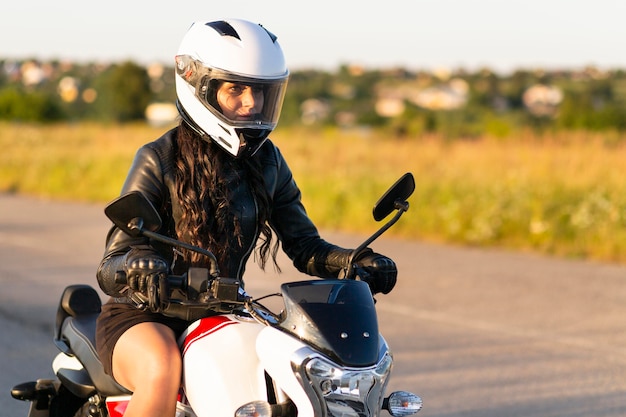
pixel 239 358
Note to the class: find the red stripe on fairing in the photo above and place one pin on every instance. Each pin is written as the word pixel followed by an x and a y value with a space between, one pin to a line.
pixel 207 326
pixel 117 408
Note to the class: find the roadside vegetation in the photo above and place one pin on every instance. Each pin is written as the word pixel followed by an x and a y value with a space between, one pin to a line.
pixel 561 193
pixel 530 160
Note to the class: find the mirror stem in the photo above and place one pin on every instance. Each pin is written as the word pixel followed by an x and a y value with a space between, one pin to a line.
pixel 136 224
pixel 214 272
pixel 401 206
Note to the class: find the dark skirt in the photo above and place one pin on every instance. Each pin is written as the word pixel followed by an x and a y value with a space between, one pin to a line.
pixel 116 318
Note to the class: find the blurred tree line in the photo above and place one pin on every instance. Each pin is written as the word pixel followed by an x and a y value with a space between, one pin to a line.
pixel 455 103
pixel 36 91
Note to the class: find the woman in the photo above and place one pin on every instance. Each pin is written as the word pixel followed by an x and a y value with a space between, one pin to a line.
pixel 218 183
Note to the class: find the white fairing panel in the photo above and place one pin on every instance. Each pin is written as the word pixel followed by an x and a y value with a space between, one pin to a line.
pixel 63 361
pixel 221 370
pixel 275 349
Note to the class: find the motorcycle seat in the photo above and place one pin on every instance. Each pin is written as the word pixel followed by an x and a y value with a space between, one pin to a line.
pixel 75 336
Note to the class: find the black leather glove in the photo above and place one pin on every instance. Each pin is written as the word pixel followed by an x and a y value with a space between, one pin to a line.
pixel 377 270
pixel 146 273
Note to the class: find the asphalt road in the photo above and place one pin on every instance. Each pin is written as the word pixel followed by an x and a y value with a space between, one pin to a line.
pixel 476 333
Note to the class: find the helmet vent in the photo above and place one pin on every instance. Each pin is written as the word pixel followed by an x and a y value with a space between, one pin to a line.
pixel 224 142
pixel 224 129
pixel 270 34
pixel 224 28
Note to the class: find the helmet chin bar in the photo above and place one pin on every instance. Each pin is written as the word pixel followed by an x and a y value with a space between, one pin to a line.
pixel 250 140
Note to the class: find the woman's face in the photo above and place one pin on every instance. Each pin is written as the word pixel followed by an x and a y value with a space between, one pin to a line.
pixel 240 101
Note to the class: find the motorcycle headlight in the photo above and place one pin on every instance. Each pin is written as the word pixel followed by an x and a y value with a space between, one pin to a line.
pixel 348 391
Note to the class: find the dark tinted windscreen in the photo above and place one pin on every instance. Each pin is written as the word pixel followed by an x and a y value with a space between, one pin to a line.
pixel 336 316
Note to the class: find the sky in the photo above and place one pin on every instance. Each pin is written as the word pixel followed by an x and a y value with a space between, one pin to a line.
pixel 502 35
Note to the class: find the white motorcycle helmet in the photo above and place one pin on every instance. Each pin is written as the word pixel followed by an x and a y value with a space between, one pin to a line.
pixel 234 51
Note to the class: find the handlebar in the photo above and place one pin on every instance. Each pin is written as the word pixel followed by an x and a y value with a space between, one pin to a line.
pixel 203 296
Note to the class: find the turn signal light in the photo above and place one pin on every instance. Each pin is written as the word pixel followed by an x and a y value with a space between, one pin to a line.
pixel 402 403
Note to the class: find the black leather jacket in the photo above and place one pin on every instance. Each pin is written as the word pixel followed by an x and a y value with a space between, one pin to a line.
pixel 152 174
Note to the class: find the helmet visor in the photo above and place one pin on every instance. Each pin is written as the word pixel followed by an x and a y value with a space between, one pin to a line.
pixel 240 101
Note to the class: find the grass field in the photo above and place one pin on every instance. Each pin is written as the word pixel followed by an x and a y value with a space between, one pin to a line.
pixel 562 194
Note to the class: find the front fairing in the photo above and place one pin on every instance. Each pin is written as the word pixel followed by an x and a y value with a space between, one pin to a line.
pixel 338 317
pixel 339 391
pixel 319 386
pixel 326 355
pixel 220 370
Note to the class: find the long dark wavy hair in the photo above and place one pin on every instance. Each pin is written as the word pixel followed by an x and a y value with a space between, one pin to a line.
pixel 204 174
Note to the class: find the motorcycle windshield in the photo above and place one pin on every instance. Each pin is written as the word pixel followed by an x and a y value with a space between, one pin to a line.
pixel 337 317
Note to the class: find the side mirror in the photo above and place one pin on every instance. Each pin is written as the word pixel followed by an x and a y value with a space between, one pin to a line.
pixel 133 213
pixel 394 199
pixel 397 194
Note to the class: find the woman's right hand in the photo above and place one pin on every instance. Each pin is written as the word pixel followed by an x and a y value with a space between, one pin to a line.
pixel 143 267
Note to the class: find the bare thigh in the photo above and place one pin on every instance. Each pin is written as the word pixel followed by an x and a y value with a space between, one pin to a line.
pixel 146 354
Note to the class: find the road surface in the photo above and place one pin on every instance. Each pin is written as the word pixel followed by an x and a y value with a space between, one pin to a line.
pixel 477 333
